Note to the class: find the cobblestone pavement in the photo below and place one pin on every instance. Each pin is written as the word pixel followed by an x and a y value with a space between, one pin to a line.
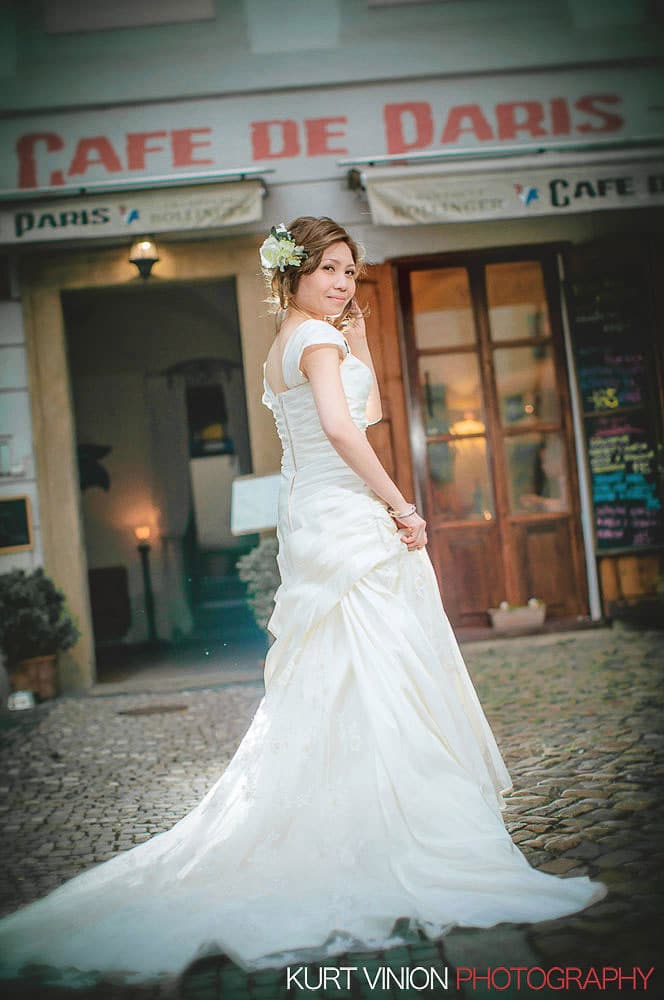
pixel 577 717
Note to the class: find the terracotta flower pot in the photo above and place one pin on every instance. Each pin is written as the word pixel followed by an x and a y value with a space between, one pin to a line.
pixel 38 674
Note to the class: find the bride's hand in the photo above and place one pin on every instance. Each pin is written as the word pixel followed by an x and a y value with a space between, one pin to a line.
pixel 355 325
pixel 416 535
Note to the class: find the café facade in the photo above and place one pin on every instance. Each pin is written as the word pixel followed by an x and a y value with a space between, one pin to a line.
pixel 514 232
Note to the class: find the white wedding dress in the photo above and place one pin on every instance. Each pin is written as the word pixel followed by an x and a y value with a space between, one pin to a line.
pixel 364 802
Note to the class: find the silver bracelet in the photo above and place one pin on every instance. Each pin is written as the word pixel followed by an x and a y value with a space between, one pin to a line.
pixel 401 513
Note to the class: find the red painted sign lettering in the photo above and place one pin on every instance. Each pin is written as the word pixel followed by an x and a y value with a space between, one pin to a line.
pixel 411 125
pixel 45 160
pixel 275 139
pixel 98 151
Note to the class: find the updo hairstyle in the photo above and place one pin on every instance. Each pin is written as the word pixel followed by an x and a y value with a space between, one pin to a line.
pixel 315 234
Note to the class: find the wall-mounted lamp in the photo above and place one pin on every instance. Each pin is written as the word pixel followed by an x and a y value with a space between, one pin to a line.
pixel 144 255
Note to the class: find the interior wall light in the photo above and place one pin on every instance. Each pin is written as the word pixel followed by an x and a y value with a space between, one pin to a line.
pixel 144 255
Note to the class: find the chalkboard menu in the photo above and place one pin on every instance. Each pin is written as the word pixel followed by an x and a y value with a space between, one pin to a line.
pixel 610 378
pixel 613 338
pixel 621 453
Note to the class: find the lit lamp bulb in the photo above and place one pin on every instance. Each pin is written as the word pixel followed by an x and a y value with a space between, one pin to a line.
pixel 142 533
pixel 144 255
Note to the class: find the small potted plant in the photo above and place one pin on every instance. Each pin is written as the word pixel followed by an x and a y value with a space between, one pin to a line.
pixel 34 626
pixel 518 617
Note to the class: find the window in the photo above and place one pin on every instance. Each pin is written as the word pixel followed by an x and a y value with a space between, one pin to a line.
pixel 207 417
pixel 61 16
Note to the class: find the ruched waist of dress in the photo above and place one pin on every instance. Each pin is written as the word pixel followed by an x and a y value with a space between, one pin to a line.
pixel 319 472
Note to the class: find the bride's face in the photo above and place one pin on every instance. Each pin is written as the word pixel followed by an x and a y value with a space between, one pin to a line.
pixel 327 290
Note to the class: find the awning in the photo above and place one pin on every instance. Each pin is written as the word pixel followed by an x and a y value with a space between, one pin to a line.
pixel 516 188
pixel 133 213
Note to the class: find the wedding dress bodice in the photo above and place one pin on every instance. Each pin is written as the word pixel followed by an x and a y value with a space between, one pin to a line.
pixel 304 443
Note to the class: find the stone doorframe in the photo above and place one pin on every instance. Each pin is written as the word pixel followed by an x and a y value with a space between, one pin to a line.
pixel 44 275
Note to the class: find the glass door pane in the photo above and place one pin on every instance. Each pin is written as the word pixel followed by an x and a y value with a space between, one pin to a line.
pixel 527 390
pixel 517 300
pixel 459 476
pixel 526 385
pixel 537 473
pixel 450 393
pixel 442 309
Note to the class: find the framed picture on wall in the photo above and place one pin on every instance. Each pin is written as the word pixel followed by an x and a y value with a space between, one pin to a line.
pixel 15 524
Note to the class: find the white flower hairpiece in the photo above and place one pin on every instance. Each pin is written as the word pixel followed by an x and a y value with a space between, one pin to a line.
pixel 280 249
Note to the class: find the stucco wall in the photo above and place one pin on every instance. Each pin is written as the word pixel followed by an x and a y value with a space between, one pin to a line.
pixel 263 45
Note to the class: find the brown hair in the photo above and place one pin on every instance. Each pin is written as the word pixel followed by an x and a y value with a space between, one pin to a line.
pixel 315 234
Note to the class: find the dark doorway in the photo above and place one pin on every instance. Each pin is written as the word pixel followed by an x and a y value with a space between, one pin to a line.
pixel 158 395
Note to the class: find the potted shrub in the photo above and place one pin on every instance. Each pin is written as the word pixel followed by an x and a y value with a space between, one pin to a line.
pixel 513 617
pixel 34 626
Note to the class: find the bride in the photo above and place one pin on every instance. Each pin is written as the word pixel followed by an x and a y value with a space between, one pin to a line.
pixel 363 807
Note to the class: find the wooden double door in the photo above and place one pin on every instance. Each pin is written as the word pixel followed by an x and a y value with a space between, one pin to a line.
pixel 490 439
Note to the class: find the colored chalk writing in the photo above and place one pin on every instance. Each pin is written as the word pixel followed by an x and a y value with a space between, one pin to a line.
pixel 622 458
pixel 610 378
pixel 613 344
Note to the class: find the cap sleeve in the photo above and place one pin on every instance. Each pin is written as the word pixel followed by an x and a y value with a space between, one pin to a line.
pixel 309 333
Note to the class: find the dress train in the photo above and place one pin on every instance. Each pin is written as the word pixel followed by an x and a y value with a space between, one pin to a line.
pixel 364 803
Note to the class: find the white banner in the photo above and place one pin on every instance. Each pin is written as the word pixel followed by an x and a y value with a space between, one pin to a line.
pixel 133 213
pixel 414 198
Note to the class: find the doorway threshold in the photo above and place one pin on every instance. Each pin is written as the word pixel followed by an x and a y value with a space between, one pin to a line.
pixel 576 623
